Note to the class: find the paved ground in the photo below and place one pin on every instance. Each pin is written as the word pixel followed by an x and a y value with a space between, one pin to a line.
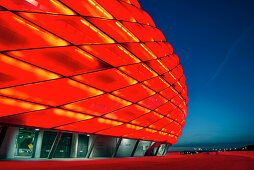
pixel 234 161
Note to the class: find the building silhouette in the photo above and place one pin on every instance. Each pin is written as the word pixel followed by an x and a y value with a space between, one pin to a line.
pixel 87 79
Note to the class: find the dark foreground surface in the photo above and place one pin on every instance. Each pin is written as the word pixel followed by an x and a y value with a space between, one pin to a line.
pixel 227 160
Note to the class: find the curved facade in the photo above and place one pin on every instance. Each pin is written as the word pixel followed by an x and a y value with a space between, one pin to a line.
pixel 97 67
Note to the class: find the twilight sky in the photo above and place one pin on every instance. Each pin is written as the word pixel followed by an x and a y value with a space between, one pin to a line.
pixel 215 42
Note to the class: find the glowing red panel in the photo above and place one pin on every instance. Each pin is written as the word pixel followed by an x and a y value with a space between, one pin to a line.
pixel 177 71
pixel 157 48
pixel 14 31
pixel 177 131
pixel 10 106
pixel 51 92
pixel 48 118
pixel 118 54
pixel 161 123
pixel 169 93
pixel 149 20
pixel 175 113
pixel 139 30
pixel 98 105
pixel 90 126
pixel 63 60
pixel 156 84
pixel 72 28
pixel 170 61
pixel 187 100
pixel 153 102
pixel 172 139
pixel 167 48
pixel 135 3
pixel 161 136
pixel 107 80
pixel 157 66
pixel 177 100
pixel 169 127
pixel 139 71
pixel 14 72
pixel 52 6
pixel 182 80
pixel 117 9
pixel 126 1
pixel 169 77
pixel 180 117
pixel 183 107
pixel 139 14
pixel 147 119
pixel 128 113
pixel 170 49
pixel 88 8
pixel 145 133
pixel 140 50
pixel 114 29
pixel 134 93
pixel 184 93
pixel 155 33
pixel 120 130
pixel 166 108
pixel 178 86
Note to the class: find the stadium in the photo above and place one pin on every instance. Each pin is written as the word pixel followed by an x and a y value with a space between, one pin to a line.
pixel 87 79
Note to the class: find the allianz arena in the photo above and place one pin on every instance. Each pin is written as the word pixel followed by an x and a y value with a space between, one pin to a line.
pixel 95 76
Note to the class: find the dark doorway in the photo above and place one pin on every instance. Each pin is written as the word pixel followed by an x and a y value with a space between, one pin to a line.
pixel 82 146
pixel 63 148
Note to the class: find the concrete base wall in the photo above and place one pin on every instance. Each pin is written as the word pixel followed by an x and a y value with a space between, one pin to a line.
pixel 103 147
pixel 80 145
pixel 126 148
pixel 142 148
pixel 161 150
pixel 8 146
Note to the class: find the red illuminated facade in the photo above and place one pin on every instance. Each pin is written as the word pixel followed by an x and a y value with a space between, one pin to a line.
pixel 99 67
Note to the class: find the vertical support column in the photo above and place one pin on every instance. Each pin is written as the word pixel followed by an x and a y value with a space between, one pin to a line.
pixel 150 150
pixel 2 134
pixel 157 150
pixel 55 144
pixel 7 149
pixel 37 153
pixel 36 134
pixel 74 145
pixel 165 149
pixel 135 148
pixel 117 147
pixel 151 143
pixel 90 149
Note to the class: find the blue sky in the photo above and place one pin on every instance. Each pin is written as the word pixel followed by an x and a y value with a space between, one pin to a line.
pixel 215 42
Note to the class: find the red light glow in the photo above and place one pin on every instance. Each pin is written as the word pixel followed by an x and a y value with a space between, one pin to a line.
pixel 90 66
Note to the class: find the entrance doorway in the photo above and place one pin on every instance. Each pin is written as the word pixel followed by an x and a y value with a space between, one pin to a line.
pixel 24 142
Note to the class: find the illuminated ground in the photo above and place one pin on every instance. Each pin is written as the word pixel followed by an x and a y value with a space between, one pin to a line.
pixel 232 161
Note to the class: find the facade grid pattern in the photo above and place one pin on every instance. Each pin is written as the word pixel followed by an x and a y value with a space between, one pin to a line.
pixel 99 67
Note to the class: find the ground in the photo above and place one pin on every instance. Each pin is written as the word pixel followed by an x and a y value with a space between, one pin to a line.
pixel 212 161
